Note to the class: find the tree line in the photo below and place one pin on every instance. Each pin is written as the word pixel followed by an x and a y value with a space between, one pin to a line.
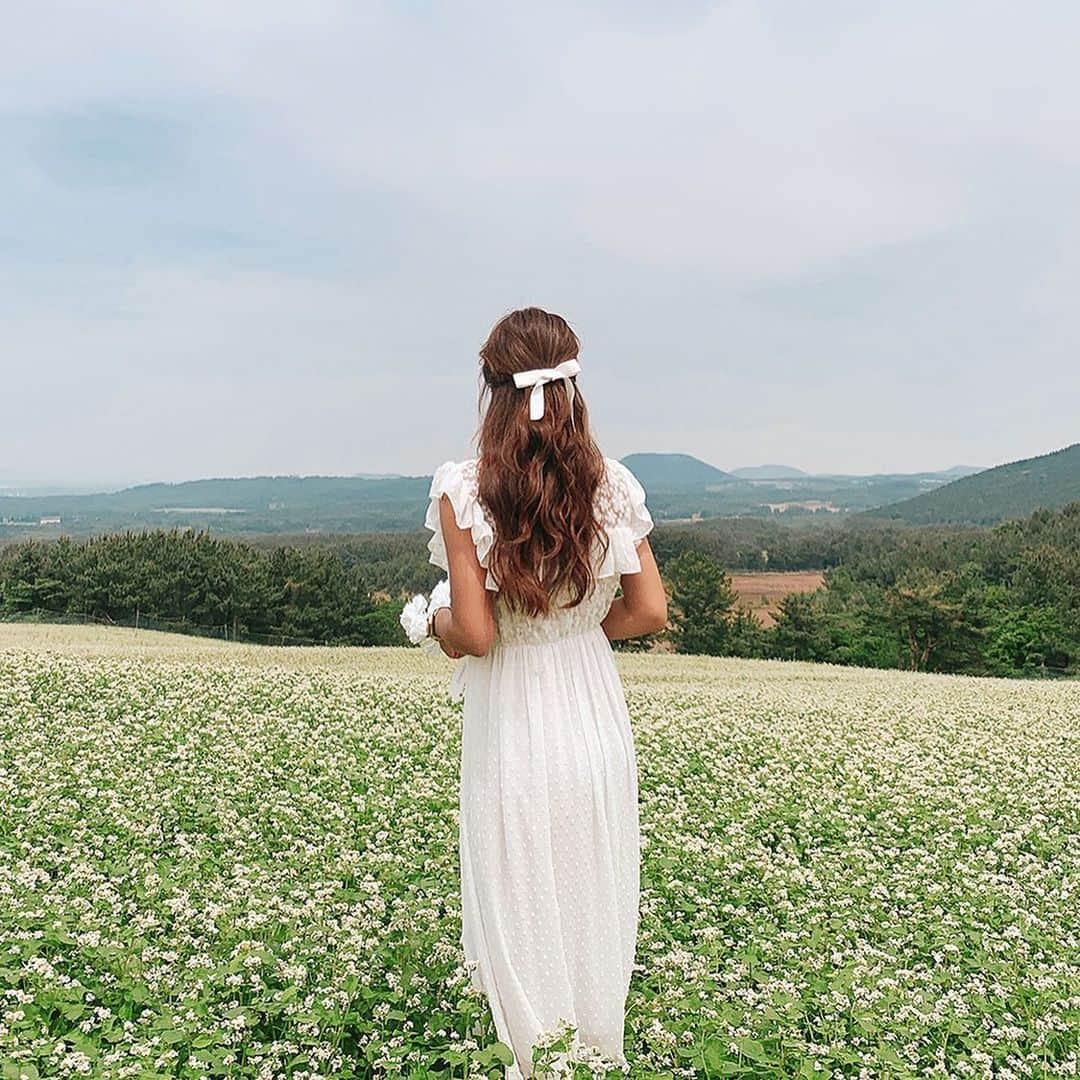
pixel 1001 601
pixel 200 582
pixel 997 601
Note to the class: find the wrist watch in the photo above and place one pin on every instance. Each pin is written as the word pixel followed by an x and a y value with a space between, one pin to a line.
pixel 431 622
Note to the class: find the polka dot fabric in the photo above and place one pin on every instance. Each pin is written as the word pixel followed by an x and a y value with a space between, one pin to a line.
pixel 549 839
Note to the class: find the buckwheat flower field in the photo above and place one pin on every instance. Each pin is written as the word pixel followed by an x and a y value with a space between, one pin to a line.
pixel 226 861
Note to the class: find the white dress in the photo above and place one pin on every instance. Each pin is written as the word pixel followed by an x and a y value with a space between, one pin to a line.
pixel 549 841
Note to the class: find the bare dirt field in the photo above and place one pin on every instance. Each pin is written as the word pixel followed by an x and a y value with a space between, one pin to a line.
pixel 761 591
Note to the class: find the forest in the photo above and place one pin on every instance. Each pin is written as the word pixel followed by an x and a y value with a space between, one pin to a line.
pixel 1001 600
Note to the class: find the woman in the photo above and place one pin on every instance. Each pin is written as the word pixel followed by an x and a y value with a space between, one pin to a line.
pixel 537 534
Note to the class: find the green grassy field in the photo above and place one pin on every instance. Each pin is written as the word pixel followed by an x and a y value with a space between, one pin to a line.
pixel 221 860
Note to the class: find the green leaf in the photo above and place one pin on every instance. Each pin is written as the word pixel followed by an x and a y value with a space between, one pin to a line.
pixel 14 1069
pixel 751 1048
pixel 887 1053
pixel 714 1055
pixel 502 1053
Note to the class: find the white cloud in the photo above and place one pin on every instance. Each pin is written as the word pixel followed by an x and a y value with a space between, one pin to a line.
pixel 334 191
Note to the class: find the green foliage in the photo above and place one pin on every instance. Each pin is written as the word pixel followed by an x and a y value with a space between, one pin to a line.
pixel 1013 490
pixel 1001 601
pixel 992 601
pixel 703 600
pixel 380 626
pixel 199 582
pixel 800 630
pixel 1025 640
pixel 245 865
pixel 925 617
pixel 746 636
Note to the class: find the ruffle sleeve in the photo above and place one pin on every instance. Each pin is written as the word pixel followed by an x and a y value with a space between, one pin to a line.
pixel 457 480
pixel 631 522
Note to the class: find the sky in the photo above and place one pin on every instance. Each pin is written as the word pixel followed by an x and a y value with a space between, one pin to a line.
pixel 247 238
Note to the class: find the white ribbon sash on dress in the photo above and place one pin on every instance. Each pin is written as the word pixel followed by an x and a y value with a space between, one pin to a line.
pixel 538 378
pixel 456 690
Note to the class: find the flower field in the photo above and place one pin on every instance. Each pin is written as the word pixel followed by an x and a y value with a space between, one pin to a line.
pixel 227 861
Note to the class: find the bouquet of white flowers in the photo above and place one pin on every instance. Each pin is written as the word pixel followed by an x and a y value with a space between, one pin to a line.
pixel 417 612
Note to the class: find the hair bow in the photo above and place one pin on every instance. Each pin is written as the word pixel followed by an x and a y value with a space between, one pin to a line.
pixel 538 378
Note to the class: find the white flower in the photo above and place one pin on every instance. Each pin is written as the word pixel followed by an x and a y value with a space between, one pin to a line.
pixel 414 618
pixel 415 614
pixel 440 595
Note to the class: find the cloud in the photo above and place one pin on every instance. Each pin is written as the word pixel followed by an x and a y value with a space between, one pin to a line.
pixel 317 200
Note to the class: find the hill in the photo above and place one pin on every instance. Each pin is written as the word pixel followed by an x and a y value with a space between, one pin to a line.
pixel 673 471
pixel 1013 490
pixel 260 504
pixel 679 487
pixel 768 472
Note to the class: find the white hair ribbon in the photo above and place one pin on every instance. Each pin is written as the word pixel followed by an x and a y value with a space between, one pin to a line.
pixel 538 378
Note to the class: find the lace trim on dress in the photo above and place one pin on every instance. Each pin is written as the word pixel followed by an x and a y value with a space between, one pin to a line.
pixel 620 507
pixel 626 520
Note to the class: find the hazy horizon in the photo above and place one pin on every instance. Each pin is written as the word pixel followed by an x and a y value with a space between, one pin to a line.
pixel 245 240
pixel 59 486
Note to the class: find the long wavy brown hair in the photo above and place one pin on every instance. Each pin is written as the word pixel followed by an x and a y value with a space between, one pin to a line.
pixel 537 478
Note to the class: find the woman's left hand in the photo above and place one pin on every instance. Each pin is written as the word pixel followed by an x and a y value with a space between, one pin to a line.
pixel 452 653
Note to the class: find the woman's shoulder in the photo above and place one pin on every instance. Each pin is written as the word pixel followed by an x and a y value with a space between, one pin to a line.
pixel 452 466
pixel 452 475
pixel 623 500
pixel 457 481
pixel 622 479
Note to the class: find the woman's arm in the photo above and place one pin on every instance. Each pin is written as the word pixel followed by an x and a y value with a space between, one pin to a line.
pixel 468 625
pixel 642 608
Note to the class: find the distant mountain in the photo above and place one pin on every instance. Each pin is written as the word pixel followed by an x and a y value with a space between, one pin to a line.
pixel 1007 491
pixel 673 470
pixel 679 487
pixel 767 472
pixel 34 490
pixel 257 504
